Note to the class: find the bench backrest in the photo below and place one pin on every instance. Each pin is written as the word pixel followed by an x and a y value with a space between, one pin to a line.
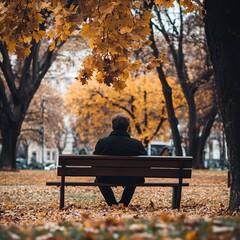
pixel 145 166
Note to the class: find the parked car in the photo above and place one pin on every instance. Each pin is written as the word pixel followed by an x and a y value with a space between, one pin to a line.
pixel 36 165
pixel 21 163
pixel 50 166
pixel 83 151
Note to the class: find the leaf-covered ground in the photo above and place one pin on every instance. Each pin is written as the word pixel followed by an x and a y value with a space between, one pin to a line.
pixel 32 207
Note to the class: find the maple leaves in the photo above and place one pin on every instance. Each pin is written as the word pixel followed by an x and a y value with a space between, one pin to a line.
pixel 25 21
pixel 110 59
pixel 20 24
pixel 114 30
pixel 120 28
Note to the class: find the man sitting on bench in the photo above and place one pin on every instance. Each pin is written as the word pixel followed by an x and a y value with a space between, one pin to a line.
pixel 119 143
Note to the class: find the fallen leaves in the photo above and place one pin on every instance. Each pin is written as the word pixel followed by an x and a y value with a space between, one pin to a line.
pixel 129 230
pixel 27 203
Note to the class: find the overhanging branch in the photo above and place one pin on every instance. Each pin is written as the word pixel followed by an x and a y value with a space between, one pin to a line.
pixel 6 68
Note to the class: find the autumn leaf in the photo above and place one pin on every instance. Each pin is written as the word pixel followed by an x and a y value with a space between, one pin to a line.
pixel 52 46
pixel 137 4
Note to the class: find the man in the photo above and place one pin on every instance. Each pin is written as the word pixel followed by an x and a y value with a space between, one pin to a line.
pixel 119 143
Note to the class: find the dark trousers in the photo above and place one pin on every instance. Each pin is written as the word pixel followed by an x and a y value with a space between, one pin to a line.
pixel 128 191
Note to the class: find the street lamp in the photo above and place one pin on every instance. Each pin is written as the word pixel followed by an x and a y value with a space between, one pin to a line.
pixel 42 130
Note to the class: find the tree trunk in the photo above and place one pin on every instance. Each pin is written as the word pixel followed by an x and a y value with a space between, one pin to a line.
pixel 201 141
pixel 177 53
pixel 10 131
pixel 167 92
pixel 173 121
pixel 223 35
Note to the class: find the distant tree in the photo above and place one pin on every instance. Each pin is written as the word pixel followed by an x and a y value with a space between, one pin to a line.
pixel 188 56
pixel 141 100
pixel 31 34
pixel 44 121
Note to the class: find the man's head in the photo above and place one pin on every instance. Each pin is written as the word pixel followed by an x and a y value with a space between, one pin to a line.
pixel 120 122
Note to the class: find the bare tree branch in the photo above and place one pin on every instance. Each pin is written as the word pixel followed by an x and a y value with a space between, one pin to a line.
pixel 5 65
pixel 4 105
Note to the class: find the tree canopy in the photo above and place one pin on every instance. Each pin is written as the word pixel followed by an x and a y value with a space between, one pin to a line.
pixel 124 21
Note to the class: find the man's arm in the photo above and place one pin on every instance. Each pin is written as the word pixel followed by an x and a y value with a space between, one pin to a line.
pixel 142 150
pixel 97 150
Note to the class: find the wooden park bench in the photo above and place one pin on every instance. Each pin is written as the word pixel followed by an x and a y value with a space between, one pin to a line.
pixel 166 167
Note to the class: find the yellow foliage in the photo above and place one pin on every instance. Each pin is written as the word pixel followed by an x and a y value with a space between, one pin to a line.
pixel 22 20
pixel 113 28
pixel 165 3
pixel 52 118
pixel 93 104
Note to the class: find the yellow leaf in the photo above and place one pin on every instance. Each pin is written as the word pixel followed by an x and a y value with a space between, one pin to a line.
pixel 87 224
pixel 27 39
pixel 147 16
pixel 108 9
pixel 191 235
pixel 137 4
pixel 91 43
pixel 126 29
pixel 51 33
pixel 39 18
pixel 169 3
pixel 52 46
pixel 44 5
pixel 36 36
pixel 41 33
pixel 64 37
pixel 119 85
pixel 123 238
pixel 125 75
pixel 136 65
pixel 85 30
pixel 27 51
pixel 11 46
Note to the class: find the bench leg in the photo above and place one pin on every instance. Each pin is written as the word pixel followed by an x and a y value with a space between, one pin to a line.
pixel 176 197
pixel 61 197
pixel 62 186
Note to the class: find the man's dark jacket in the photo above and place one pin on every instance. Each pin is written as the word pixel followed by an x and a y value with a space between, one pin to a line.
pixel 119 144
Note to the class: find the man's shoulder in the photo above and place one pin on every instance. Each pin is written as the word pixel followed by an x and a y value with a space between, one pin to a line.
pixel 135 140
pixel 104 139
pixel 114 138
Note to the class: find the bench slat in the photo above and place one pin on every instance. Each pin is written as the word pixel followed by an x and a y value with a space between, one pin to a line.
pixel 147 184
pixel 142 157
pixel 125 171
pixel 129 163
